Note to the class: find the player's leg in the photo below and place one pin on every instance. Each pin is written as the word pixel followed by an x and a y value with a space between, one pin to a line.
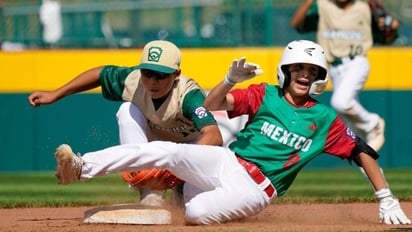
pixel 132 124
pixel 193 163
pixel 200 165
pixel 346 87
pixel 225 191
pixel 218 188
pixel 228 127
pixel 237 196
pixel 132 129
pixel 348 80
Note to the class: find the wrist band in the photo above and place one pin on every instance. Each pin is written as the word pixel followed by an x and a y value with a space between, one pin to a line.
pixel 383 193
pixel 228 82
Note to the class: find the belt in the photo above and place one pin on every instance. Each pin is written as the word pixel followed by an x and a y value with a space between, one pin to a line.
pixel 336 62
pixel 339 60
pixel 257 176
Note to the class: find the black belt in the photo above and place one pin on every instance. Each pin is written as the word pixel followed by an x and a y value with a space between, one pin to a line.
pixel 256 175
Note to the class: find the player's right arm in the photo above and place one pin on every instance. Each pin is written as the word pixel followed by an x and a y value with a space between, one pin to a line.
pixel 84 81
pixel 219 97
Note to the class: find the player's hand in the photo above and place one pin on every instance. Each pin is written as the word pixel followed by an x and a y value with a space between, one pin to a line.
pixel 240 71
pixel 38 98
pixel 390 211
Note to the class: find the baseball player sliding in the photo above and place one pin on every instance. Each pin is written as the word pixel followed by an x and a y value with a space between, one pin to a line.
pixel 160 103
pixel 286 129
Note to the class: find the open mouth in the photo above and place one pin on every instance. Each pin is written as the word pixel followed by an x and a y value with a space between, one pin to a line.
pixel 303 82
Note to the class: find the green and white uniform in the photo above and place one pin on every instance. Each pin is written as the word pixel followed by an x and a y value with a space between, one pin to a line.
pixel 177 118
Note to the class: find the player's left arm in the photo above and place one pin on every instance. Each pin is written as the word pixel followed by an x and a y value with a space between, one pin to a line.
pixel 390 211
pixel 202 118
pixel 344 143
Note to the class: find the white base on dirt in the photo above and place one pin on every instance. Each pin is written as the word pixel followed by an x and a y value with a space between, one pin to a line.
pixel 128 214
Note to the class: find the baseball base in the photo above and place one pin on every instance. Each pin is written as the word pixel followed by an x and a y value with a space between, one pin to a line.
pixel 128 214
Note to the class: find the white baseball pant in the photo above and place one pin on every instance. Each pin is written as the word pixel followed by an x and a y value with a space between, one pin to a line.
pixel 133 128
pixel 348 80
pixel 132 125
pixel 221 189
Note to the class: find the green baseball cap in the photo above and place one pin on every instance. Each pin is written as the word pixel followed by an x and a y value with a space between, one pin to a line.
pixel 160 55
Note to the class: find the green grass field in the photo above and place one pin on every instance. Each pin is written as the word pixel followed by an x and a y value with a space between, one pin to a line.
pixel 327 186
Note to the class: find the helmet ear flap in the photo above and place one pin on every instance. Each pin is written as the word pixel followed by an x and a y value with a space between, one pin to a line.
pixel 319 86
pixel 283 76
pixel 286 73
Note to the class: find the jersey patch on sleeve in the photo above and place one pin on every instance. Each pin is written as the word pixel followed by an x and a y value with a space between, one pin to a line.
pixel 350 133
pixel 201 112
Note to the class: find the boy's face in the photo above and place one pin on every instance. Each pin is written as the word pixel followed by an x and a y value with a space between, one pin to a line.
pixel 301 78
pixel 158 84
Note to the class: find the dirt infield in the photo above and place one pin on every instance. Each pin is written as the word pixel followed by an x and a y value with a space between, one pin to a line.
pixel 277 217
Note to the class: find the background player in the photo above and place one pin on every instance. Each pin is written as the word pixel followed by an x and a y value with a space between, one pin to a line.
pixel 160 102
pixel 286 129
pixel 344 31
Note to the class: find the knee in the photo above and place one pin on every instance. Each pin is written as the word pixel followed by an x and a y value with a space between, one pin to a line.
pixel 197 214
pixel 123 110
pixel 340 104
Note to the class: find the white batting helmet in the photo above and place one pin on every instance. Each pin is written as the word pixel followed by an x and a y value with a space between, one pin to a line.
pixel 303 51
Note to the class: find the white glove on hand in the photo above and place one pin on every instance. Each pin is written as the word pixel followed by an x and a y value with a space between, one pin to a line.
pixel 240 71
pixel 390 211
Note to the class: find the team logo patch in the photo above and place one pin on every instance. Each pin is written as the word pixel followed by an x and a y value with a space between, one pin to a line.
pixel 201 112
pixel 154 54
pixel 350 133
pixel 312 127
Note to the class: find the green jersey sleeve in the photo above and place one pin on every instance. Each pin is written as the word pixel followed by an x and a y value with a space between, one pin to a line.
pixel 193 109
pixel 112 80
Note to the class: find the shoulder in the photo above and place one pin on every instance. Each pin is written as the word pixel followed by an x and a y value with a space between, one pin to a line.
pixel 261 87
pixel 190 90
pixel 187 83
pixel 118 68
pixel 322 3
pixel 361 5
pixel 250 91
pixel 113 70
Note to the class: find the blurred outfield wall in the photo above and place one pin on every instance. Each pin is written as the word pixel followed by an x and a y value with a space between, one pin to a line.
pixel 189 23
pixel 86 121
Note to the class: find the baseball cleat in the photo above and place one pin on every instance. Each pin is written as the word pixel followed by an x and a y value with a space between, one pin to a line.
pixel 376 137
pixel 69 165
pixel 151 198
